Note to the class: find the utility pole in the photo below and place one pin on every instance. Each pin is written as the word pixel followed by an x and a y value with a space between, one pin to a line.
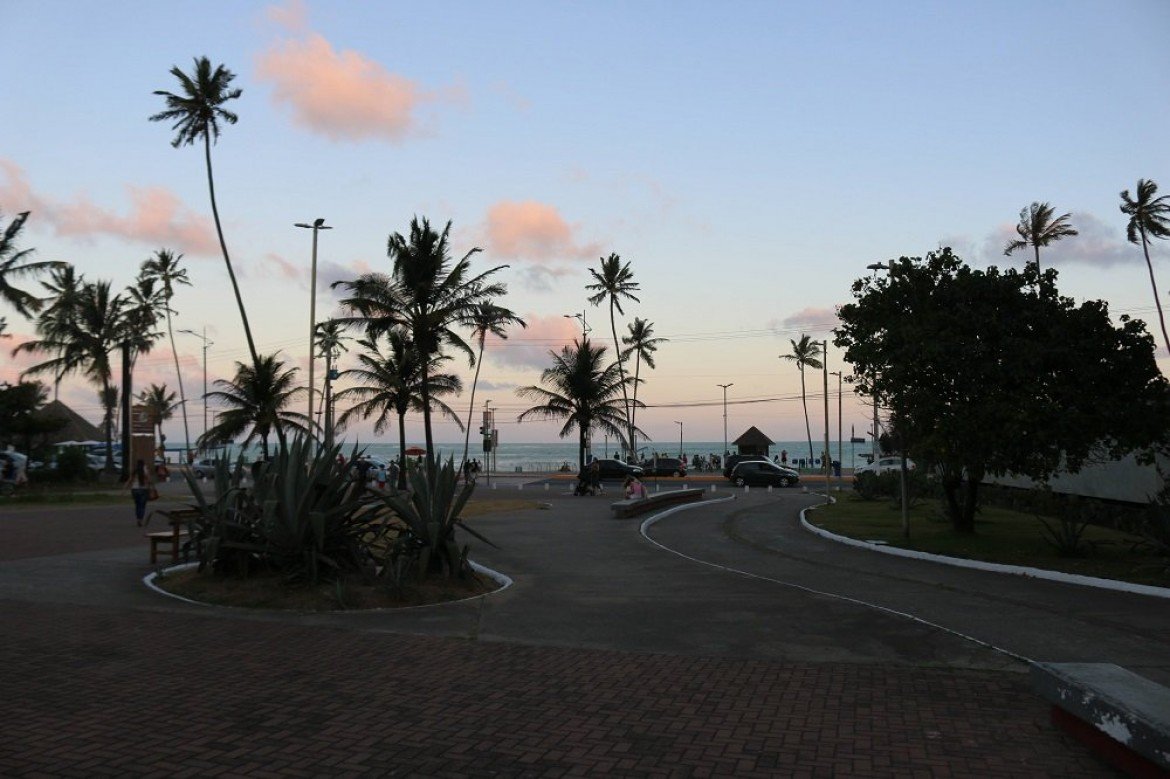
pixel 725 386
pixel 317 225
pixel 890 268
pixel 206 344
pixel 840 450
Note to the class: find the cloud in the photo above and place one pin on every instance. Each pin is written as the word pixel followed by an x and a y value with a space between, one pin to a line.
pixel 513 98
pixel 530 347
pixel 530 230
pixel 496 386
pixel 293 16
pixel 539 278
pixel 157 217
pixel 343 95
pixel 811 321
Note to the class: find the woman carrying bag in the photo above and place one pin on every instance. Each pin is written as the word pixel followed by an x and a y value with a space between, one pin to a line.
pixel 142 490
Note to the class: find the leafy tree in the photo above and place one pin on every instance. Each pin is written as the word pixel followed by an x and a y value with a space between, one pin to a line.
pixel 16 264
pixel 159 403
pixel 642 344
pixel 582 390
pixel 486 317
pixel 614 281
pixel 427 295
pixel 806 353
pixel 1149 217
pixel 165 270
pixel 196 114
pixel 21 414
pixel 393 382
pixel 255 402
pixel 988 377
pixel 1038 228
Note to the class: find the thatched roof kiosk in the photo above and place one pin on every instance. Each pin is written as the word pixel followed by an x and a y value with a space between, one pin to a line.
pixel 753 442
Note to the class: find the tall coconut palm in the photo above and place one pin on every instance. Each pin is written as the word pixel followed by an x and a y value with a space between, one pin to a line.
pixel 164 268
pixel 82 343
pixel 1038 228
pixel 255 403
pixel 159 404
pixel 615 282
pixel 487 317
pixel 330 342
pixel 144 304
pixel 1149 217
pixel 642 344
pixel 392 381
pixel 426 294
pixel 64 287
pixel 582 390
pixel 16 264
pixel 806 353
pixel 196 114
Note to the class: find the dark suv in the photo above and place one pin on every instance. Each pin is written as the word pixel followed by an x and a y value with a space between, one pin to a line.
pixel 761 473
pixel 615 469
pixel 664 466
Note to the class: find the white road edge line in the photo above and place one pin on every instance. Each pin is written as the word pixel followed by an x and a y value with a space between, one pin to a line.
pixel 894 612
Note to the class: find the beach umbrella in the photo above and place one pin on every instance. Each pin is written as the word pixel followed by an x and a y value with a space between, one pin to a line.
pixel 415 451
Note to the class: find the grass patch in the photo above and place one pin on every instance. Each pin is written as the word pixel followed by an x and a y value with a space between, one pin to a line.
pixel 1001 536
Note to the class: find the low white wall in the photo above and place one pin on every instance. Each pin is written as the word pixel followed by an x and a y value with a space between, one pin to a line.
pixel 1122 479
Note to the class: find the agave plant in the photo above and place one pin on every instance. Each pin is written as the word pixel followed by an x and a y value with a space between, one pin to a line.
pixel 430 511
pixel 304 516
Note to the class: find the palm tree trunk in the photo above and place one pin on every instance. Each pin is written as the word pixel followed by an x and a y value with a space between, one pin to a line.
pixel 471 410
pixel 1037 248
pixel 401 450
pixel 426 397
pixel 182 395
pixel 634 408
pixel 807 429
pixel 1154 285
pixel 108 426
pixel 226 258
pixel 621 370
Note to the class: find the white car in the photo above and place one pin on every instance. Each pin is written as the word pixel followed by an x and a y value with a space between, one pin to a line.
pixel 886 465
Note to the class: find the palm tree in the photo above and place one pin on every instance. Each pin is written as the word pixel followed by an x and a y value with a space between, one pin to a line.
pixel 159 403
pixel 65 287
pixel 1149 217
pixel 426 294
pixel 393 382
pixel 615 282
pixel 581 390
pixel 805 353
pixel 196 114
pixel 1038 228
pixel 330 342
pixel 255 401
pixel 164 268
pixel 140 316
pixel 15 264
pixel 82 341
pixel 487 317
pixel 642 344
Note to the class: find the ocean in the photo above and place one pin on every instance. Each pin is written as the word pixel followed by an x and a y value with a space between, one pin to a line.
pixel 544 457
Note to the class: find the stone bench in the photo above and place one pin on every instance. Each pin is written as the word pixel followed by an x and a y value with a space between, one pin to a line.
pixel 1122 716
pixel 632 507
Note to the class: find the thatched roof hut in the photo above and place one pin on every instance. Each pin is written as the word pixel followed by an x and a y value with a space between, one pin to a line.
pixel 753 442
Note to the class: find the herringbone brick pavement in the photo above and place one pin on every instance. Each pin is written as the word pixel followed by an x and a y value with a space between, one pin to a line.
pixel 119 692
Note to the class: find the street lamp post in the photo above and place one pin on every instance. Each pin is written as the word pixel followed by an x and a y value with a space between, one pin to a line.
pixel 840 450
pixel 581 316
pixel 889 267
pixel 725 386
pixel 318 224
pixel 679 438
pixel 206 343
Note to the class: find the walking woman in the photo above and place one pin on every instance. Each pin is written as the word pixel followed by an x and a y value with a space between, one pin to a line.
pixel 140 488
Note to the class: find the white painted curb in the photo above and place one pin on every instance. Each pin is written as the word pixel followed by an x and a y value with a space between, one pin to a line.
pixel 503 580
pixel 1015 570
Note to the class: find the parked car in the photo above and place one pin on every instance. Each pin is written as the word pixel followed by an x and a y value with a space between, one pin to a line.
pixel 885 465
pixel 201 468
pixel 761 473
pixel 664 466
pixel 733 460
pixel 616 469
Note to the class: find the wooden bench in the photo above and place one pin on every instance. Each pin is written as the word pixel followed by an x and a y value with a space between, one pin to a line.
pixel 1122 716
pixel 177 518
pixel 632 507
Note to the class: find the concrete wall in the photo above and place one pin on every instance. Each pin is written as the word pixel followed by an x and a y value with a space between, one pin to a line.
pixel 1123 480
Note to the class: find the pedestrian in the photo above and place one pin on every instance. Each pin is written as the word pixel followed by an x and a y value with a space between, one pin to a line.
pixel 784 457
pixel 595 477
pixel 141 489
pixel 634 488
pixel 381 477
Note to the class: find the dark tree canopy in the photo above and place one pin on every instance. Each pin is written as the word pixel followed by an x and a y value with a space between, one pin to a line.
pixel 987 373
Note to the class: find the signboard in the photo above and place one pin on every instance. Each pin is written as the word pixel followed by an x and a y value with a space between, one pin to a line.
pixel 140 423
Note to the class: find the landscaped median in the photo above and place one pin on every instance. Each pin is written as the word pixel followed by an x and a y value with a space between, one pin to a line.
pixel 1002 536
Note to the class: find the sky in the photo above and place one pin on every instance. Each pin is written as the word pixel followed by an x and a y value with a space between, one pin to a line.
pixel 748 159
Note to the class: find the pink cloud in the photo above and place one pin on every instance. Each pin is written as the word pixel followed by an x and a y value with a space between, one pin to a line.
pixel 529 230
pixel 529 347
pixel 344 95
pixel 157 217
pixel 293 16
pixel 813 321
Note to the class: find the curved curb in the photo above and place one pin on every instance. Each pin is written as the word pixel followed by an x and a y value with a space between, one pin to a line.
pixel 980 565
pixel 501 579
